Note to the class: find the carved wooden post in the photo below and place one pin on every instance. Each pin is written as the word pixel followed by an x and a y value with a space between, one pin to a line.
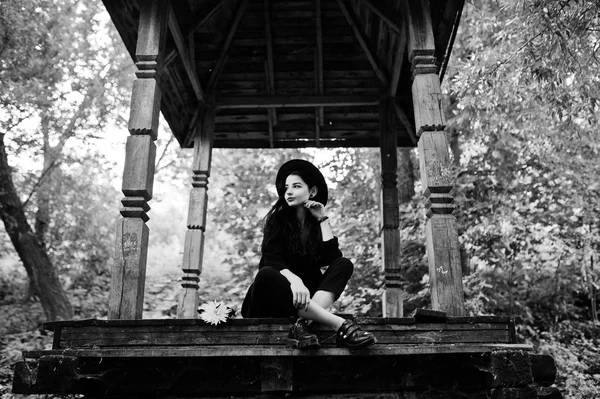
pixel 436 169
pixel 196 223
pixel 128 273
pixel 392 298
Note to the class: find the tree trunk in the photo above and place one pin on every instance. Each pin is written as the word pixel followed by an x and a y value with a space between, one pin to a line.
pixel 406 175
pixel 34 257
pixel 42 215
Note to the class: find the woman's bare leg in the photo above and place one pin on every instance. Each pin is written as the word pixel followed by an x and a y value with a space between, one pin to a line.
pixel 315 312
pixel 324 298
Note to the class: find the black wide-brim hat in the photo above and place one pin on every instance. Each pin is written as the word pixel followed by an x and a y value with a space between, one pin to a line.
pixel 309 169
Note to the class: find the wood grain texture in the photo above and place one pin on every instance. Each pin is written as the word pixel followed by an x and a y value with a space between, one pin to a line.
pixel 128 272
pixel 197 208
pixel 262 351
pixel 445 273
pixel 427 103
pixel 186 59
pixel 138 173
pixel 193 250
pixel 420 31
pixel 473 321
pixel 437 173
pixel 277 375
pixel 390 214
pixel 393 301
pixel 145 108
pixel 151 29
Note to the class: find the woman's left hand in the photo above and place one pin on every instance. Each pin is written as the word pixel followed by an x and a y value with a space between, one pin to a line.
pixel 316 209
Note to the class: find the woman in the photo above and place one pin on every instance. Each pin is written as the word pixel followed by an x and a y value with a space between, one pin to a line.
pixel 297 242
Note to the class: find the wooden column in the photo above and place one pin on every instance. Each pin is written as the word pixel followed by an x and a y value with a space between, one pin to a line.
pixel 445 274
pixel 128 272
pixel 196 223
pixel 390 237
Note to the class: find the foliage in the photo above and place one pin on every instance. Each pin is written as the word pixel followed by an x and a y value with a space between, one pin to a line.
pixel 523 87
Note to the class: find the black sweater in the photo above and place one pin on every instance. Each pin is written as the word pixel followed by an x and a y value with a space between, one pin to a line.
pixel 274 254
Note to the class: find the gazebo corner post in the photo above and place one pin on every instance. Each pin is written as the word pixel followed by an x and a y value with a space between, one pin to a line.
pixel 128 272
pixel 437 173
pixel 392 301
pixel 193 251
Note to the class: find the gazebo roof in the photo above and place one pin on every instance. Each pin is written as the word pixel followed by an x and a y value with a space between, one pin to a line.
pixel 288 73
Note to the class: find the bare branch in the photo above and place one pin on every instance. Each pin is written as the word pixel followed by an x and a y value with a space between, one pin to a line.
pixel 158 167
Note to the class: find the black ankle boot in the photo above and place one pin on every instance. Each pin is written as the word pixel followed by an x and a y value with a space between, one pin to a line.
pixel 301 337
pixel 351 336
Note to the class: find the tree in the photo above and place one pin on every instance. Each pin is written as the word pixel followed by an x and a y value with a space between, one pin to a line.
pixel 523 102
pixel 60 70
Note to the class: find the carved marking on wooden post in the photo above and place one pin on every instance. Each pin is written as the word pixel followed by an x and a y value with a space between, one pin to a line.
pixel 437 173
pixel 128 274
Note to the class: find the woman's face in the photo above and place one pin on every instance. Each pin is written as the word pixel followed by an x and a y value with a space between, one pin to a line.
pixel 296 191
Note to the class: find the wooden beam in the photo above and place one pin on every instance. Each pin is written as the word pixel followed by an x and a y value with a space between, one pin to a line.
pixel 216 72
pixel 386 13
pixel 203 16
pixel 294 101
pixel 186 59
pixel 397 68
pixel 270 69
pixel 403 118
pixel 353 22
pixel 271 110
pixel 319 61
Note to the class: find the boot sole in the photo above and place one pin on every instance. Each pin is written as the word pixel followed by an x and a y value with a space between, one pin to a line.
pixel 312 343
pixel 362 345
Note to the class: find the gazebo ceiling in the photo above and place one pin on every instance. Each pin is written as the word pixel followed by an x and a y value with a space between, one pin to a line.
pixel 288 73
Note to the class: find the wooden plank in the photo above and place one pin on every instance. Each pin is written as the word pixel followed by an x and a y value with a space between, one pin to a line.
pixel 205 14
pixel 398 61
pixel 218 68
pixel 294 101
pixel 203 328
pixel 277 375
pixel 363 43
pixel 186 58
pixel 270 68
pixel 245 351
pixel 319 63
pixel 387 14
pixel 206 338
pixel 405 121
pixel 467 320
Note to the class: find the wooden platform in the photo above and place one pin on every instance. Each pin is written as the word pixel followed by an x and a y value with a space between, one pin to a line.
pixel 249 357
pixel 256 335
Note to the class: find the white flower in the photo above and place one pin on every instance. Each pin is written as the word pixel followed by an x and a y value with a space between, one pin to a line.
pixel 214 312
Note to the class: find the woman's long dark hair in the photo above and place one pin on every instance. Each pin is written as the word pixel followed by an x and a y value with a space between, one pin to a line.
pixel 281 221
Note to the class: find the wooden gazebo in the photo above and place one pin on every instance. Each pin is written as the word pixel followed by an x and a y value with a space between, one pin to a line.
pixel 283 74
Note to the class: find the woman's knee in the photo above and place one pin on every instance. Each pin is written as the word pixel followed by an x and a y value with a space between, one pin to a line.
pixel 344 265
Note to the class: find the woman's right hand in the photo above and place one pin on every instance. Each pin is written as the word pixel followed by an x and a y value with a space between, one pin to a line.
pixel 301 294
